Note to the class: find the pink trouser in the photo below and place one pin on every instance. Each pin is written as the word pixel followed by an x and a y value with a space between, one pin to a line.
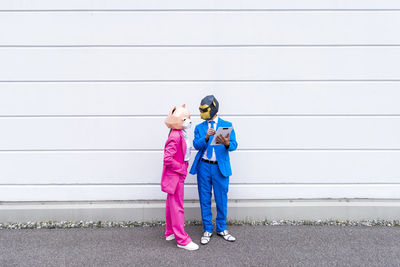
pixel 175 215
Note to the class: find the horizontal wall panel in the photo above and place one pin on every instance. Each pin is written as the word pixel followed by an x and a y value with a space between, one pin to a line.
pixel 132 167
pixel 245 98
pixel 153 192
pixel 277 132
pixel 200 28
pixel 195 63
pixel 310 86
pixel 192 4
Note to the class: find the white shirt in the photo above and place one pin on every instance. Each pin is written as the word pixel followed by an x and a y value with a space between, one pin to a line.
pixel 213 158
pixel 188 145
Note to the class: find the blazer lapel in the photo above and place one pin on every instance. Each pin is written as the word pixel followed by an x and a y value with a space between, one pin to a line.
pixel 204 124
pixel 221 122
pixel 183 144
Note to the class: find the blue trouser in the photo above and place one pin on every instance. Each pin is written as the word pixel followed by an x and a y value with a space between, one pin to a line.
pixel 209 176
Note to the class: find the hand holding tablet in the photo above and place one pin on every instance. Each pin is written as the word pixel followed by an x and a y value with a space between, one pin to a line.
pixel 224 131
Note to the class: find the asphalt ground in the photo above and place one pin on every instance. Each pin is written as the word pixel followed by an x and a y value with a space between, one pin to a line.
pixel 255 246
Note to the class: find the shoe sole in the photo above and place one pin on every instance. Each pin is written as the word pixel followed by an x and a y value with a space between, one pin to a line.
pixel 207 242
pixel 179 246
pixel 167 239
pixel 225 239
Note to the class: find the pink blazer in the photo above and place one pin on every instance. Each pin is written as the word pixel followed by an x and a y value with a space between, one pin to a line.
pixel 175 167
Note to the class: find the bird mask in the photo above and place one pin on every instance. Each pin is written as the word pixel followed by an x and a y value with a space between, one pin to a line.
pixel 208 107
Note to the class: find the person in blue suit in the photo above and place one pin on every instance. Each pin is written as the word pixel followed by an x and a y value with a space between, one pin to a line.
pixel 213 168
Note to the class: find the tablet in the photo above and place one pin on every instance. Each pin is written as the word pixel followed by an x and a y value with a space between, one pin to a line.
pixel 221 130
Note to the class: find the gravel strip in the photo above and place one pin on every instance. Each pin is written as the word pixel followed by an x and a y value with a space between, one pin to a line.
pixel 126 224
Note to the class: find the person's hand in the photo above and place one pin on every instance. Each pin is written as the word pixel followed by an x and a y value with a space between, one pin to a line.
pixel 223 140
pixel 210 132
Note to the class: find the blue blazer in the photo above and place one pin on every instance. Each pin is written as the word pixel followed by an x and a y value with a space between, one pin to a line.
pixel 221 152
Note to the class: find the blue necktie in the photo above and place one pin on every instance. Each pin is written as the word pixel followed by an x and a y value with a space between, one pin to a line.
pixel 210 148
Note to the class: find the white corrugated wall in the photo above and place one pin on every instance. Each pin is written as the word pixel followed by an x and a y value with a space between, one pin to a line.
pixel 311 87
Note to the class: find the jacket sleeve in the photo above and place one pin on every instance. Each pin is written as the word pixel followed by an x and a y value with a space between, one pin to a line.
pixel 232 141
pixel 169 153
pixel 199 141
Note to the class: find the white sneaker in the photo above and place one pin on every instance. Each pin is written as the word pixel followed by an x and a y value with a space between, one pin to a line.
pixel 170 237
pixel 190 246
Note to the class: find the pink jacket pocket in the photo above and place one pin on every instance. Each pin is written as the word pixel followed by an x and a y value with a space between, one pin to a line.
pixel 169 183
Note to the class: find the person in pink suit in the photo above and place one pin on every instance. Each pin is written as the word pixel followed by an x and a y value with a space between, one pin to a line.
pixel 176 158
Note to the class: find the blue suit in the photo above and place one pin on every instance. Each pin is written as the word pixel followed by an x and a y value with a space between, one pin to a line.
pixel 214 176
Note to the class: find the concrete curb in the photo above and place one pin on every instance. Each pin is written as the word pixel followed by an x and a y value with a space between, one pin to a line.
pixel 243 210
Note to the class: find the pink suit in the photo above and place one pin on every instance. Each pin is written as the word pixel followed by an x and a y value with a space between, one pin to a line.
pixel 172 182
